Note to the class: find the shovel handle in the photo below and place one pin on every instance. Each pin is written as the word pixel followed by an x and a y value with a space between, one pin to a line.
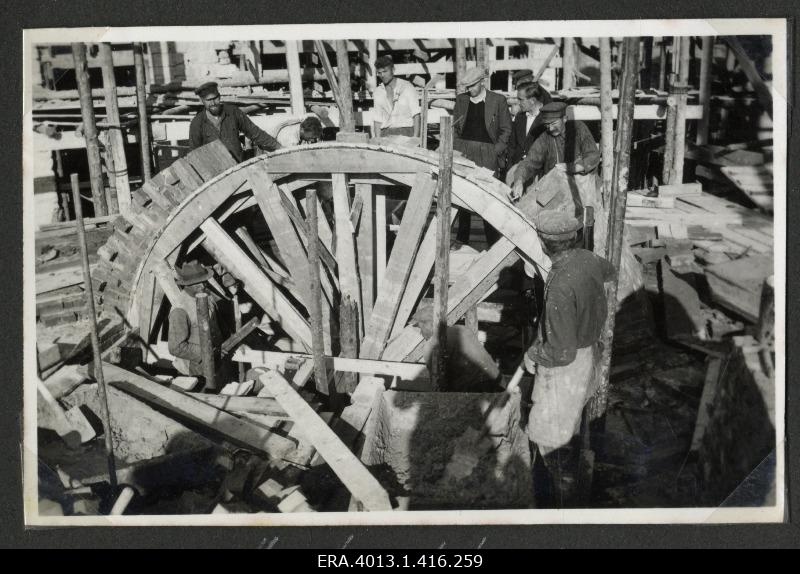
pixel 516 378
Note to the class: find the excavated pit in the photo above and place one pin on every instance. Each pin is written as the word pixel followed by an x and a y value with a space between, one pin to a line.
pixel 442 450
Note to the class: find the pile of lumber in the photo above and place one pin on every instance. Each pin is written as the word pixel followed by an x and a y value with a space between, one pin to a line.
pixel 694 231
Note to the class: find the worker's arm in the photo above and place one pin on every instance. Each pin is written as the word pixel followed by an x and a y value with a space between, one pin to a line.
pixel 196 131
pixel 178 342
pixel 557 342
pixel 258 136
pixel 530 166
pixel 588 155
pixel 417 128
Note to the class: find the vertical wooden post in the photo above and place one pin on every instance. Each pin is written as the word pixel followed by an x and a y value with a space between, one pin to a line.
pixel 166 67
pixel 606 118
pixel 423 132
pixel 141 103
pixel 646 79
pixel 482 54
pixel 669 137
pixel 616 220
pixel 365 244
pixel 567 63
pixel 98 360
pixel 295 79
pixel 442 265
pixel 460 63
pixel 347 121
pixel 116 136
pixel 206 344
pixel 380 236
pixel 372 49
pixel 706 59
pixel 89 129
pixel 662 64
pixel 111 189
pixel 679 90
pixel 315 304
pixel 237 322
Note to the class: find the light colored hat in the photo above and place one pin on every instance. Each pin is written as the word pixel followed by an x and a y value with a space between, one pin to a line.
pixel 473 76
pixel 552 224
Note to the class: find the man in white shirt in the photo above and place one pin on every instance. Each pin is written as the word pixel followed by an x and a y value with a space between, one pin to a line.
pixel 396 110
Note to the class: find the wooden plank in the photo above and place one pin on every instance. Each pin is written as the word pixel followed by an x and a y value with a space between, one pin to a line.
pixel 706 399
pixel 380 236
pixel 737 284
pixel 679 189
pixel 637 215
pixel 358 480
pixel 279 360
pixel 466 292
pixel 358 204
pixel 230 403
pixel 636 200
pixel 345 243
pixel 232 428
pixel 211 160
pixel 257 284
pixel 314 304
pixel 300 225
pixel 418 278
pixel 399 267
pixel 269 266
pixel 365 243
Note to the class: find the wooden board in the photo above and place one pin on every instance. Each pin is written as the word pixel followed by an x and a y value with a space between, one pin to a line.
pixel 399 266
pixel 257 284
pixel 255 405
pixel 345 242
pixel 737 284
pixel 346 465
pixel 635 200
pixel 278 360
pixel 365 243
pixel 233 428
pixel 706 399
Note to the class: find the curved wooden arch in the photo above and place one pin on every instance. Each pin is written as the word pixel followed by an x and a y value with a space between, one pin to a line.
pixel 185 205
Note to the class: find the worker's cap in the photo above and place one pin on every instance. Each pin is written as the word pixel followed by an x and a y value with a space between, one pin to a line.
pixel 191 273
pixel 473 76
pixel 522 77
pixel 207 89
pixel 384 62
pixel 553 111
pixel 557 225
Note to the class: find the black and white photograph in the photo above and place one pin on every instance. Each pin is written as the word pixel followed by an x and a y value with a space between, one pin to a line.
pixel 524 272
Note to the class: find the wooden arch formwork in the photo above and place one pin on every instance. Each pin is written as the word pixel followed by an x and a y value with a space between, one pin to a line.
pixel 191 205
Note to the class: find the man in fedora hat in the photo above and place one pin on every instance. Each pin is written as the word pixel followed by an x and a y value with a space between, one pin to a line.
pixel 223 121
pixel 567 144
pixel 565 349
pixel 481 126
pixel 184 331
pixel 396 110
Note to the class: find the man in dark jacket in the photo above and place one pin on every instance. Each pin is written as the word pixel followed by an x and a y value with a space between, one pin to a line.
pixel 221 121
pixel 528 124
pixel 481 126
pixel 566 350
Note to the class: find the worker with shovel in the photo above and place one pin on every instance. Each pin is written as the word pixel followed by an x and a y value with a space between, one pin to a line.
pixel 566 347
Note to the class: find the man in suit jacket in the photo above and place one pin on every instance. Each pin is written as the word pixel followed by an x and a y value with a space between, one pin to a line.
pixel 527 124
pixel 482 127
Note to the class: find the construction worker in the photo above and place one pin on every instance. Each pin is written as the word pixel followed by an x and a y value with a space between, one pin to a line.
pixel 184 331
pixel 482 127
pixel 223 121
pixel 569 145
pixel 396 110
pixel 565 349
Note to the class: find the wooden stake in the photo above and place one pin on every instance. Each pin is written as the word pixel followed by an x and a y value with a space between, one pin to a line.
pixel 89 129
pixel 315 304
pixel 461 63
pixel 237 321
pixel 706 59
pixel 372 55
pixel 141 103
pixel 206 345
pixel 480 53
pixel 617 205
pixel 662 64
pixel 567 64
pixel 442 265
pixel 116 137
pixel 646 79
pixel 347 122
pixel 295 79
pixel 423 132
pixel 98 361
pixel 606 118
pixel 669 138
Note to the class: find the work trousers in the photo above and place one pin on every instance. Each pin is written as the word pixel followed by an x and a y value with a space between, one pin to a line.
pixel 484 155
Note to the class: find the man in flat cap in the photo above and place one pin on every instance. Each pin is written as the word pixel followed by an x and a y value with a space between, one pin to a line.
pixel 184 331
pixel 223 121
pixel 482 127
pixel 565 349
pixel 396 110
pixel 566 144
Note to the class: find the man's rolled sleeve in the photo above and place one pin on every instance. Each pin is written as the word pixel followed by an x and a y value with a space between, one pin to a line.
pixel 258 136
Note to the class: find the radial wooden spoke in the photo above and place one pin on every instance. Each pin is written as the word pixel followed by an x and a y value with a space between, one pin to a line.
pixel 358 204
pixel 256 283
pixel 300 225
pixel 380 236
pixel 269 266
pixel 418 278
pixel 471 288
pixel 345 244
pixel 398 269
pixel 365 241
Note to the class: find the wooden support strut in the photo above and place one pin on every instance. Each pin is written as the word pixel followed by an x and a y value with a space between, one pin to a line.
pixel 89 129
pixel 141 103
pixel 315 303
pixel 617 207
pixel 606 118
pixel 116 137
pixel 442 265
